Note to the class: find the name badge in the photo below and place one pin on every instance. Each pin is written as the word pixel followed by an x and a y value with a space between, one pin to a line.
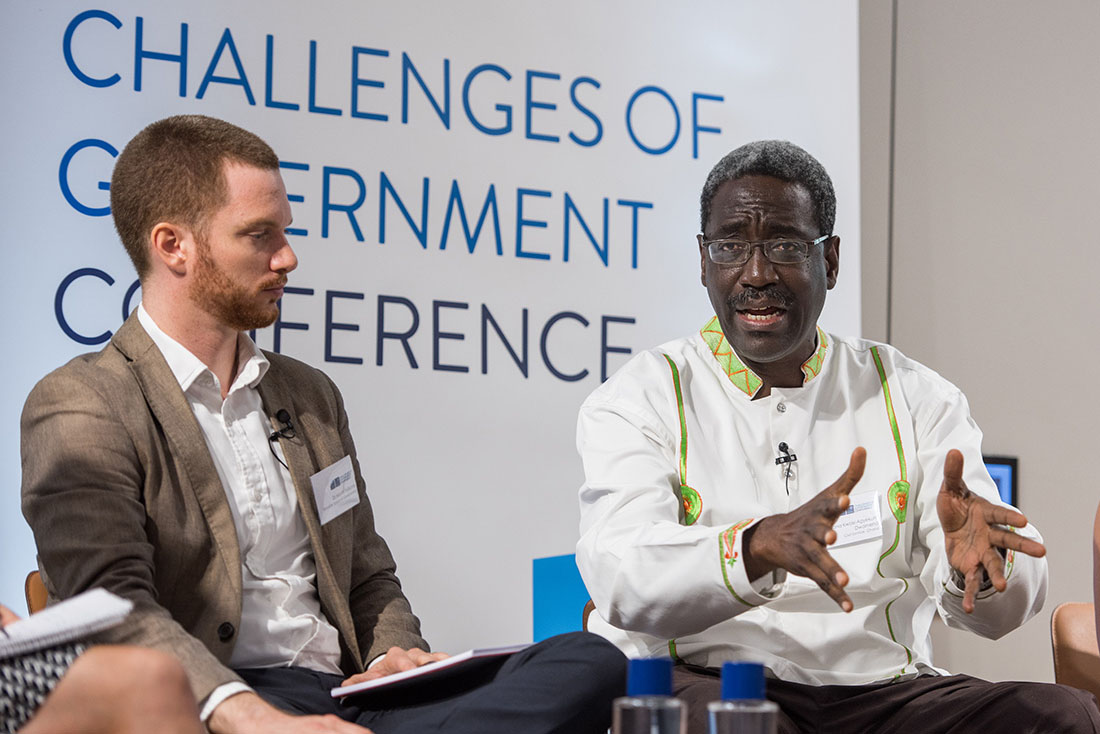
pixel 862 521
pixel 335 490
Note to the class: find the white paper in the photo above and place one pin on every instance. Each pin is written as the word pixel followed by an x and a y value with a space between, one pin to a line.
pixel 862 521
pixel 75 618
pixel 335 490
pixel 475 654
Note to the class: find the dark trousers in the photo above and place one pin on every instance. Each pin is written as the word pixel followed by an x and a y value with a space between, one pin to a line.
pixel 563 685
pixel 955 704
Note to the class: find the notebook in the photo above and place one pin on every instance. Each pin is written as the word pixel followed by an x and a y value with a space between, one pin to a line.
pixel 431 670
pixel 84 614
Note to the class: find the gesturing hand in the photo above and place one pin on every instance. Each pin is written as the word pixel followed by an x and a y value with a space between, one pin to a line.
pixel 396 660
pixel 798 540
pixel 972 532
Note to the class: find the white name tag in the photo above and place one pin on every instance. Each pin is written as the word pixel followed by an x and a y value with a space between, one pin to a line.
pixel 335 490
pixel 861 521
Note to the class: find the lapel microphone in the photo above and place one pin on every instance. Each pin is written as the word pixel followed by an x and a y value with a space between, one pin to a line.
pixel 787 458
pixel 286 428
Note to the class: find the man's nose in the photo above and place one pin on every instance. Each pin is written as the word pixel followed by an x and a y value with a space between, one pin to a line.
pixel 284 260
pixel 758 270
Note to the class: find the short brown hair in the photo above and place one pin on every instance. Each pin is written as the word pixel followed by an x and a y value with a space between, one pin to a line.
pixel 173 171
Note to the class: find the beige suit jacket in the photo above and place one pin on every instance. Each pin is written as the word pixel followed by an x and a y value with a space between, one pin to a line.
pixel 121 492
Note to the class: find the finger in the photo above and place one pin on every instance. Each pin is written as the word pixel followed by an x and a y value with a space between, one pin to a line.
pixel 1001 515
pixel 995 569
pixel 1016 542
pixel 400 660
pixel 851 475
pixel 953 474
pixel 357 678
pixel 421 657
pixel 970 590
pixel 832 579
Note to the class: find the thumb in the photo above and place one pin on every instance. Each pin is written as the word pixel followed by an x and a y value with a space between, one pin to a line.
pixel 953 471
pixel 853 473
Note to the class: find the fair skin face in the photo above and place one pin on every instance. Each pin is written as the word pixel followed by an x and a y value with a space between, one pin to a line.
pixel 203 289
pixel 769 313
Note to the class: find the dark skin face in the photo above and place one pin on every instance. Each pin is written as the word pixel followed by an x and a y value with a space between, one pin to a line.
pixel 769 312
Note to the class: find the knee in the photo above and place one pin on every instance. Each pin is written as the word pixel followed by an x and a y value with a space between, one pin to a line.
pixel 136 669
pixel 606 664
pixel 1052 707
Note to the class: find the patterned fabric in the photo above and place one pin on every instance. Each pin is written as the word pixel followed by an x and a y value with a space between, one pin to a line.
pixel 26 680
pixel 743 378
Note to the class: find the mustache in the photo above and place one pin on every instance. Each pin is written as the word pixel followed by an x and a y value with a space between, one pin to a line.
pixel 277 282
pixel 768 296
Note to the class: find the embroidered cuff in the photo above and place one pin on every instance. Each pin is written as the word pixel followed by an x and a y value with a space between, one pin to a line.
pixel 731 559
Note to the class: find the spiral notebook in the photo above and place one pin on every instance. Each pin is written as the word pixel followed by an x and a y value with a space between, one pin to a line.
pixel 84 614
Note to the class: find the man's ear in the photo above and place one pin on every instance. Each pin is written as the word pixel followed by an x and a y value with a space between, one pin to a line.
pixel 832 260
pixel 172 245
pixel 702 260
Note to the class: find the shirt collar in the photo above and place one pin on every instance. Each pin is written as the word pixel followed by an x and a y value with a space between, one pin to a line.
pixel 187 368
pixel 743 378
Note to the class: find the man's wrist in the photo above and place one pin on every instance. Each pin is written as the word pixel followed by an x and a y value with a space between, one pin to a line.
pixel 755 566
pixel 959 580
pixel 240 712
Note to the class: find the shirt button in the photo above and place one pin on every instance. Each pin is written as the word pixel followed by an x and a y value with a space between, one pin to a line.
pixel 781 407
pixel 225 631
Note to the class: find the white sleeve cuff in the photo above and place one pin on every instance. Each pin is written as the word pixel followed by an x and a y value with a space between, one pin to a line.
pixel 731 557
pixel 221 693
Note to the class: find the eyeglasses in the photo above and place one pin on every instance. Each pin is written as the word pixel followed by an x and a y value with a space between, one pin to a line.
pixel 735 252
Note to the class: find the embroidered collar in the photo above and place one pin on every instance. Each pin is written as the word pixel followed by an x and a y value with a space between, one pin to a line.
pixel 743 378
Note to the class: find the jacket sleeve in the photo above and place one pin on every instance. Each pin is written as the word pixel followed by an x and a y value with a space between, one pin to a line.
pixel 82 496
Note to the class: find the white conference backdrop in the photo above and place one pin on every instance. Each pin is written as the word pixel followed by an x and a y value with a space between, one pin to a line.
pixel 562 116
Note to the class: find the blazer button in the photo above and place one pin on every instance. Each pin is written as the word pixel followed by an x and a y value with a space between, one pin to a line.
pixel 225 631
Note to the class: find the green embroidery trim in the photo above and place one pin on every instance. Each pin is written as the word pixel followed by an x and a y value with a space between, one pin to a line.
pixel 728 557
pixel 683 421
pixel 898 499
pixel 689 498
pixel 811 368
pixel 743 378
pixel 672 651
pixel 890 626
pixel 898 494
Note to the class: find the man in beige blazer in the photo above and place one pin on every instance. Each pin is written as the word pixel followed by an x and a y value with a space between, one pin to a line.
pixel 174 468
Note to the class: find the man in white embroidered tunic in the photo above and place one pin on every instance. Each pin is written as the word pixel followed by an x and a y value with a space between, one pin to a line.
pixel 761 490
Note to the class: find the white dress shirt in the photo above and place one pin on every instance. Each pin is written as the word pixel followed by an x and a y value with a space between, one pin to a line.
pixel 662 586
pixel 281 619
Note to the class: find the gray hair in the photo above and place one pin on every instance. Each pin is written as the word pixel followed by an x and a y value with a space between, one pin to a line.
pixel 778 159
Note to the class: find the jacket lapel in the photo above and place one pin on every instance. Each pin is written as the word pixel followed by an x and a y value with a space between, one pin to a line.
pixel 185 441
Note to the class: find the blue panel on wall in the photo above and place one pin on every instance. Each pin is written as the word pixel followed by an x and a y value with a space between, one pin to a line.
pixel 559 596
pixel 1003 470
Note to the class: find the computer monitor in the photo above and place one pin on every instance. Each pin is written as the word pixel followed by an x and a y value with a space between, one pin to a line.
pixel 1004 470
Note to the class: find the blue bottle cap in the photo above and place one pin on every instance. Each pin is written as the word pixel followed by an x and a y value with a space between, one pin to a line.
pixel 742 680
pixel 649 677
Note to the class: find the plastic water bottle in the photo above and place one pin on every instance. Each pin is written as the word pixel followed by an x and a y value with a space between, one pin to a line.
pixel 648 707
pixel 743 708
